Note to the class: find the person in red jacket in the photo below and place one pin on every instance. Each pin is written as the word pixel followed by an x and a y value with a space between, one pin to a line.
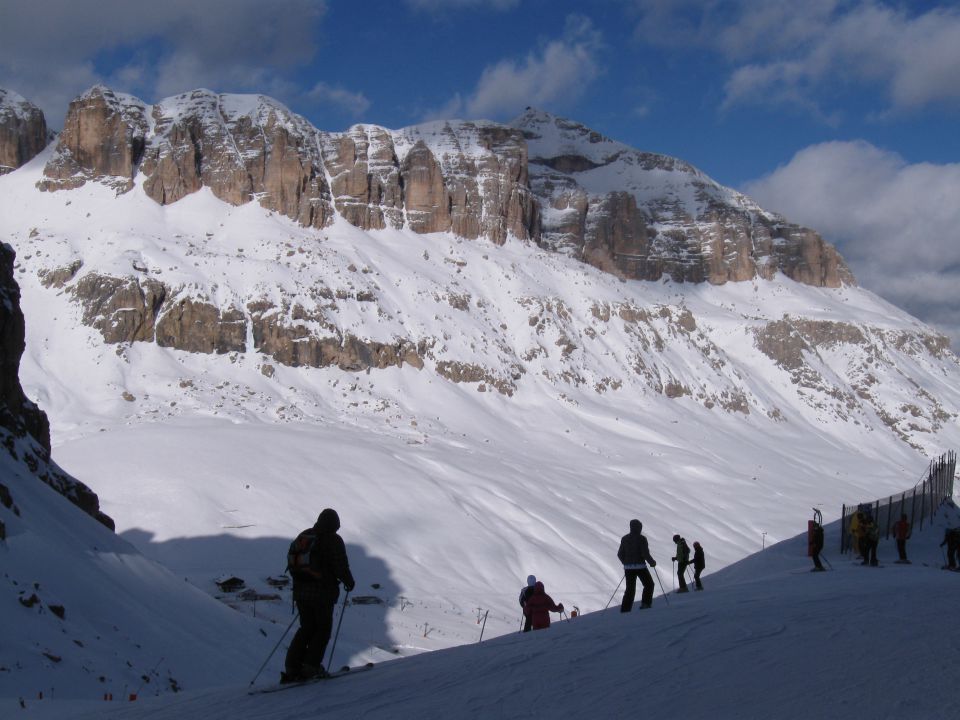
pixel 901 531
pixel 539 606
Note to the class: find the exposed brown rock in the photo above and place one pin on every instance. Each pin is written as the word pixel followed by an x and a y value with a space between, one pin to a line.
pixel 103 137
pixel 425 195
pixel 196 326
pixel 23 131
pixel 365 177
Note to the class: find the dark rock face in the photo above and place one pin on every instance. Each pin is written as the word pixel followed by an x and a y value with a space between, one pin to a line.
pixel 21 419
pixel 23 131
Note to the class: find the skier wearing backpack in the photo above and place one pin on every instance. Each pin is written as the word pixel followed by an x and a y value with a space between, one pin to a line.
pixel 683 559
pixel 317 560
pixel 525 594
pixel 539 606
pixel 634 553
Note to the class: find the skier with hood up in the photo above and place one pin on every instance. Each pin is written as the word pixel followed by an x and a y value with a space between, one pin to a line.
pixel 634 553
pixel 316 589
pixel 525 594
pixel 539 606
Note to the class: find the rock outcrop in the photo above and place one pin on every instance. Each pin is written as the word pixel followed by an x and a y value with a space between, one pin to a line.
pixel 649 216
pixel 23 131
pixel 24 428
pixel 103 139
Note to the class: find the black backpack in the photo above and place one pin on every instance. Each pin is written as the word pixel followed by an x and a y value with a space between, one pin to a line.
pixel 298 556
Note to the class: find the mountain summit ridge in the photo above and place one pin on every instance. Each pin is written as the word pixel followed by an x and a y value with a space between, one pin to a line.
pixel 544 178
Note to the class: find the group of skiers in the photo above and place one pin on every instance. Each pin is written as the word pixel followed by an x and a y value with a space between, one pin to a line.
pixel 634 554
pixel 317 562
pixel 865 537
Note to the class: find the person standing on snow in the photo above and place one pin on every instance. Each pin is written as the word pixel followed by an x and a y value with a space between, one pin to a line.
pixel 539 606
pixel 817 547
pixel 699 563
pixel 682 559
pixel 901 532
pixel 870 541
pixel 634 553
pixel 315 591
pixel 525 594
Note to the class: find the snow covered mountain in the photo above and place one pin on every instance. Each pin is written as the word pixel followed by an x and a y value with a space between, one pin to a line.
pixel 403 327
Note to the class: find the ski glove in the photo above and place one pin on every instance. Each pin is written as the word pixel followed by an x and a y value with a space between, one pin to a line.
pixel 349 588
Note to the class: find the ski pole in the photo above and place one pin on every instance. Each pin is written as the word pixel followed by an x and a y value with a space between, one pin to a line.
pixel 274 649
pixel 824 558
pixel 339 623
pixel 664 592
pixel 615 591
pixel 522 618
pixel 484 626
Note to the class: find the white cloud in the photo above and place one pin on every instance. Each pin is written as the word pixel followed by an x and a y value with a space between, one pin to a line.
pixel 556 74
pixel 897 224
pixel 783 51
pixel 355 104
pixel 50 49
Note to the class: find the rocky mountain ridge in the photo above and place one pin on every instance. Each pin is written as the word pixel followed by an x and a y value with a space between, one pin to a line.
pixel 348 268
pixel 640 215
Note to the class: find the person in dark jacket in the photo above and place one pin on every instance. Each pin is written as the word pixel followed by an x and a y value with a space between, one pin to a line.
pixel 699 563
pixel 682 559
pixel 315 592
pixel 525 594
pixel 951 538
pixel 816 547
pixel 539 606
pixel 634 553
pixel 870 541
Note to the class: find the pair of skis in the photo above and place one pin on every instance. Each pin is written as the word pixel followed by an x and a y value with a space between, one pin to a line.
pixel 342 672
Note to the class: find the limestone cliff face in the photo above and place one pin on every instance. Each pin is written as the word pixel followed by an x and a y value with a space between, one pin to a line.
pixel 650 216
pixel 365 177
pixel 637 214
pixel 24 428
pixel 23 131
pixel 103 138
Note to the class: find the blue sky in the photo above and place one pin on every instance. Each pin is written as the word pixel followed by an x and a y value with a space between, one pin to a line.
pixel 842 114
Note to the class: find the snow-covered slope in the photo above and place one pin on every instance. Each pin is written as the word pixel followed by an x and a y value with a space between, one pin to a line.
pixel 85 614
pixel 538 406
pixel 766 639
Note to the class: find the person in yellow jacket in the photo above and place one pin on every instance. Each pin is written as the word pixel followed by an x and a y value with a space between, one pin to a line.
pixel 857 529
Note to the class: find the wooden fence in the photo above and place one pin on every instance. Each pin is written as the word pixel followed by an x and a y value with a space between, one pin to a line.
pixel 919 504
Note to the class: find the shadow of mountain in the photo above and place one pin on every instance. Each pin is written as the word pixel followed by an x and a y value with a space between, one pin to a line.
pixel 204 560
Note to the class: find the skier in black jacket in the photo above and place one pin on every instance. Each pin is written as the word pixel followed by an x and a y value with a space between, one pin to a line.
pixel 634 553
pixel 682 559
pixel 315 592
pixel 699 563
